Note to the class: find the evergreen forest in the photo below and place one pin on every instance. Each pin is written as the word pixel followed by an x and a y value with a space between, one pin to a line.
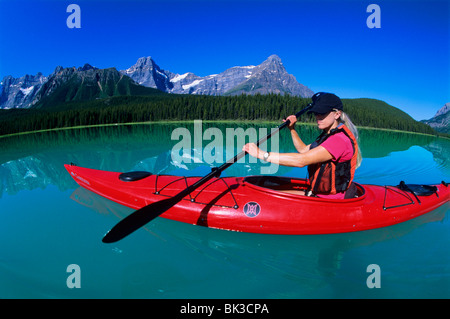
pixel 170 107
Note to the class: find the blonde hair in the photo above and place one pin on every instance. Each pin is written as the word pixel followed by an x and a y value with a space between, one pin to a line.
pixel 345 119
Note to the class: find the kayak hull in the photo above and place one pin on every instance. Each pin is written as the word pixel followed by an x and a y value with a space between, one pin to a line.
pixel 257 204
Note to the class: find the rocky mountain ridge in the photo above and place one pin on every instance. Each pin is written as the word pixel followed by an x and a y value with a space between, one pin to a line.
pixel 268 77
pixel 84 84
pixel 441 120
pixel 88 82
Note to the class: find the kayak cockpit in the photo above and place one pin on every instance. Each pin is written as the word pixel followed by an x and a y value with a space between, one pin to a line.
pixel 279 183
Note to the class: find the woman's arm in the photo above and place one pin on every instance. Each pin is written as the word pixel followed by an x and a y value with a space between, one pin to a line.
pixel 300 146
pixel 316 155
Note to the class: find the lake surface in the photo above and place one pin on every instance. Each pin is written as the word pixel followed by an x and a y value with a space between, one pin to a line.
pixel 48 223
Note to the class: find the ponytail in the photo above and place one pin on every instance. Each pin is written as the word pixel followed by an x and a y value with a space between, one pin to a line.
pixel 345 119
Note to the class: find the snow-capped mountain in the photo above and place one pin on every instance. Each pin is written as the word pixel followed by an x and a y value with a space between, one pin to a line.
pixel 268 77
pixel 87 82
pixel 147 73
pixel 20 92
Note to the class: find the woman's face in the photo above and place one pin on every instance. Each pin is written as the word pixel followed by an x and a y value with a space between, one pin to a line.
pixel 328 120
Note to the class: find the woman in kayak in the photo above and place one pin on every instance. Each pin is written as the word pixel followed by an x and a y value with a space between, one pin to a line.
pixel 331 159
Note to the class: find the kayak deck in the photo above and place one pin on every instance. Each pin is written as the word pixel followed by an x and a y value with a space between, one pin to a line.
pixel 257 203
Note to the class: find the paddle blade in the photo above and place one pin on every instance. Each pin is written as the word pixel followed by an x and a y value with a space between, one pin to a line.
pixel 138 219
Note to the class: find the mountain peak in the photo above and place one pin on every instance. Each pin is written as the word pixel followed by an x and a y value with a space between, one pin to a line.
pixel 441 121
pixel 87 67
pixel 443 110
pixel 271 77
pixel 145 61
pixel 274 59
pixel 273 63
pixel 147 73
pixel 143 64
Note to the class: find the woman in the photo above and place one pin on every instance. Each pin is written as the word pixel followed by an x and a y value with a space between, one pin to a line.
pixel 331 159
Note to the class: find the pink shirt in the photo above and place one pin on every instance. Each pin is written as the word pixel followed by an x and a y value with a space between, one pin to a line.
pixel 340 147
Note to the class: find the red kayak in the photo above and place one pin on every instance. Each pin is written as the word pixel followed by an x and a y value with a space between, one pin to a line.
pixel 257 204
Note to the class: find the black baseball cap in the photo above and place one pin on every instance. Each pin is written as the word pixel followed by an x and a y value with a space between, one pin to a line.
pixel 324 103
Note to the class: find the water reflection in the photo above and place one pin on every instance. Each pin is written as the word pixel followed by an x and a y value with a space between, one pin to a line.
pixel 169 259
pixel 379 143
pixel 299 260
pixel 36 160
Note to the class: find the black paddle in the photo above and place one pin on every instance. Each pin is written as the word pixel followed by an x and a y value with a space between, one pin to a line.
pixel 145 214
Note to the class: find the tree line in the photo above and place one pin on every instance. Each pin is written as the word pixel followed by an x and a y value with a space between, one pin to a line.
pixel 126 109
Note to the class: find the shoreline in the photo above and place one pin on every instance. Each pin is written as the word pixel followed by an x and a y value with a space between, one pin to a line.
pixel 205 121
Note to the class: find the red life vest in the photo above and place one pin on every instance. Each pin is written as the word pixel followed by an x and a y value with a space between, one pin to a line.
pixel 332 177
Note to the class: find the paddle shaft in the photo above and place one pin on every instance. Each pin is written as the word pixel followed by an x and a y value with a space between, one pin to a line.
pixel 217 171
pixel 261 140
pixel 147 213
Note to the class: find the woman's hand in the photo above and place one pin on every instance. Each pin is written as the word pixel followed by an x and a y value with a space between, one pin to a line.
pixel 253 150
pixel 292 119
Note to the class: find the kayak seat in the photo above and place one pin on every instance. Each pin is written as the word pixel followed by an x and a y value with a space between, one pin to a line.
pixel 351 192
pixel 134 176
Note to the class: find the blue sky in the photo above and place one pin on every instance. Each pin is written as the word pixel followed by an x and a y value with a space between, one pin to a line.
pixel 326 45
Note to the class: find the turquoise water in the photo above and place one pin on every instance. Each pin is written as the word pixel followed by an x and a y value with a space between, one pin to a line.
pixel 48 223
